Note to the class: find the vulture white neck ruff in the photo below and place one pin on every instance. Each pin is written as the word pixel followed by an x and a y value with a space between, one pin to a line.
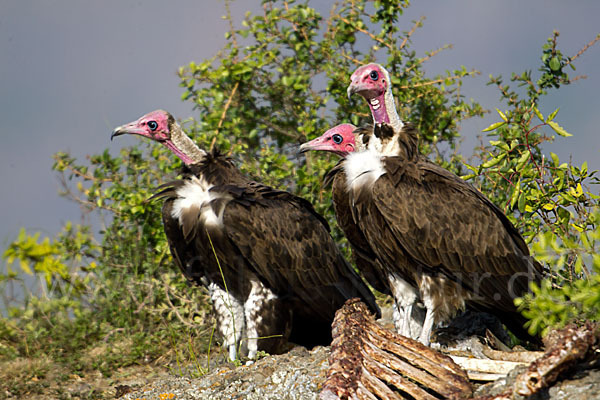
pixel 194 204
pixel 363 168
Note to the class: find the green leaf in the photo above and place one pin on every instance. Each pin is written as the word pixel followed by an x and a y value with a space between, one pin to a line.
pixel 25 267
pixel 548 206
pixel 552 115
pixel 568 197
pixel 584 168
pixel 500 144
pixel 554 64
pixel 472 168
pixel 502 115
pixel 538 113
pixel 558 129
pixel 576 191
pixel 515 194
pixel 493 161
pixel 523 159
pixel 494 126
pixel 521 203
pixel 577 227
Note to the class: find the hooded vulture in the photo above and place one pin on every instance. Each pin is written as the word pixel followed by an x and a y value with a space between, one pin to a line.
pixel 429 227
pixel 342 140
pixel 265 255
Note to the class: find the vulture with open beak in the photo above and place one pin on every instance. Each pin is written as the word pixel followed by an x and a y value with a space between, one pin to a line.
pixel 427 226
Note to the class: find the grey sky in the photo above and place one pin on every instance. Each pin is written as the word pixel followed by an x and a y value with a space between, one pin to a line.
pixel 70 71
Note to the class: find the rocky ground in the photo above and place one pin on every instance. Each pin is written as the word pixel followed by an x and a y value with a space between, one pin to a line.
pixel 298 374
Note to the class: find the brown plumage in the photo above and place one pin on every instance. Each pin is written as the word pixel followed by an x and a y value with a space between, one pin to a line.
pixel 364 256
pixel 343 140
pixel 428 225
pixel 415 226
pixel 438 231
pixel 266 249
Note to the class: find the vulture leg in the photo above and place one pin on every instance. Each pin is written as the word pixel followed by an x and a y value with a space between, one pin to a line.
pixel 230 320
pixel 408 320
pixel 405 296
pixel 405 331
pixel 251 311
pixel 427 326
pixel 401 316
pixel 397 317
pixel 266 320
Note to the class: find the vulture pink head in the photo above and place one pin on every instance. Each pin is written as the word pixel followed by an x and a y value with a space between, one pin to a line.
pixel 160 126
pixel 155 125
pixel 340 140
pixel 372 82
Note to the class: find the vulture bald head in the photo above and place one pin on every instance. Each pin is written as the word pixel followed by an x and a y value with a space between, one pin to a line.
pixel 155 125
pixel 372 81
pixel 160 126
pixel 342 140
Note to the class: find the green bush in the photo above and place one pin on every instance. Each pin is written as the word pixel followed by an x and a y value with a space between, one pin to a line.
pixel 279 81
pixel 551 202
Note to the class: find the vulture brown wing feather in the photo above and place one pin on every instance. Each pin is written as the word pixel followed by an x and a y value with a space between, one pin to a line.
pixel 288 245
pixel 181 250
pixel 443 223
pixel 436 172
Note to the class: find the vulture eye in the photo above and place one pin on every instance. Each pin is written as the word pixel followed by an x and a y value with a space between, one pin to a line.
pixel 152 125
pixel 374 75
pixel 337 139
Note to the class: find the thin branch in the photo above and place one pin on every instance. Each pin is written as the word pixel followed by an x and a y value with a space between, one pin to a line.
pixel 578 77
pixel 174 309
pixel 332 15
pixel 411 32
pixel 279 130
pixel 429 56
pixel 366 32
pixel 227 106
pixel 354 60
pixel 86 203
pixel 429 83
pixel 580 52
pixel 231 30
pixel 88 177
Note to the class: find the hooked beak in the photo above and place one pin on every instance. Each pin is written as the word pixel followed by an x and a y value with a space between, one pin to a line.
pixel 322 143
pixel 351 90
pixel 363 89
pixel 304 147
pixel 117 132
pixel 127 129
pixel 315 144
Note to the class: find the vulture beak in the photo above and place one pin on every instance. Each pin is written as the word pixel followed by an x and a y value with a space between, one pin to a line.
pixel 317 144
pixel 366 91
pixel 127 129
pixel 304 147
pixel 351 90
pixel 117 132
